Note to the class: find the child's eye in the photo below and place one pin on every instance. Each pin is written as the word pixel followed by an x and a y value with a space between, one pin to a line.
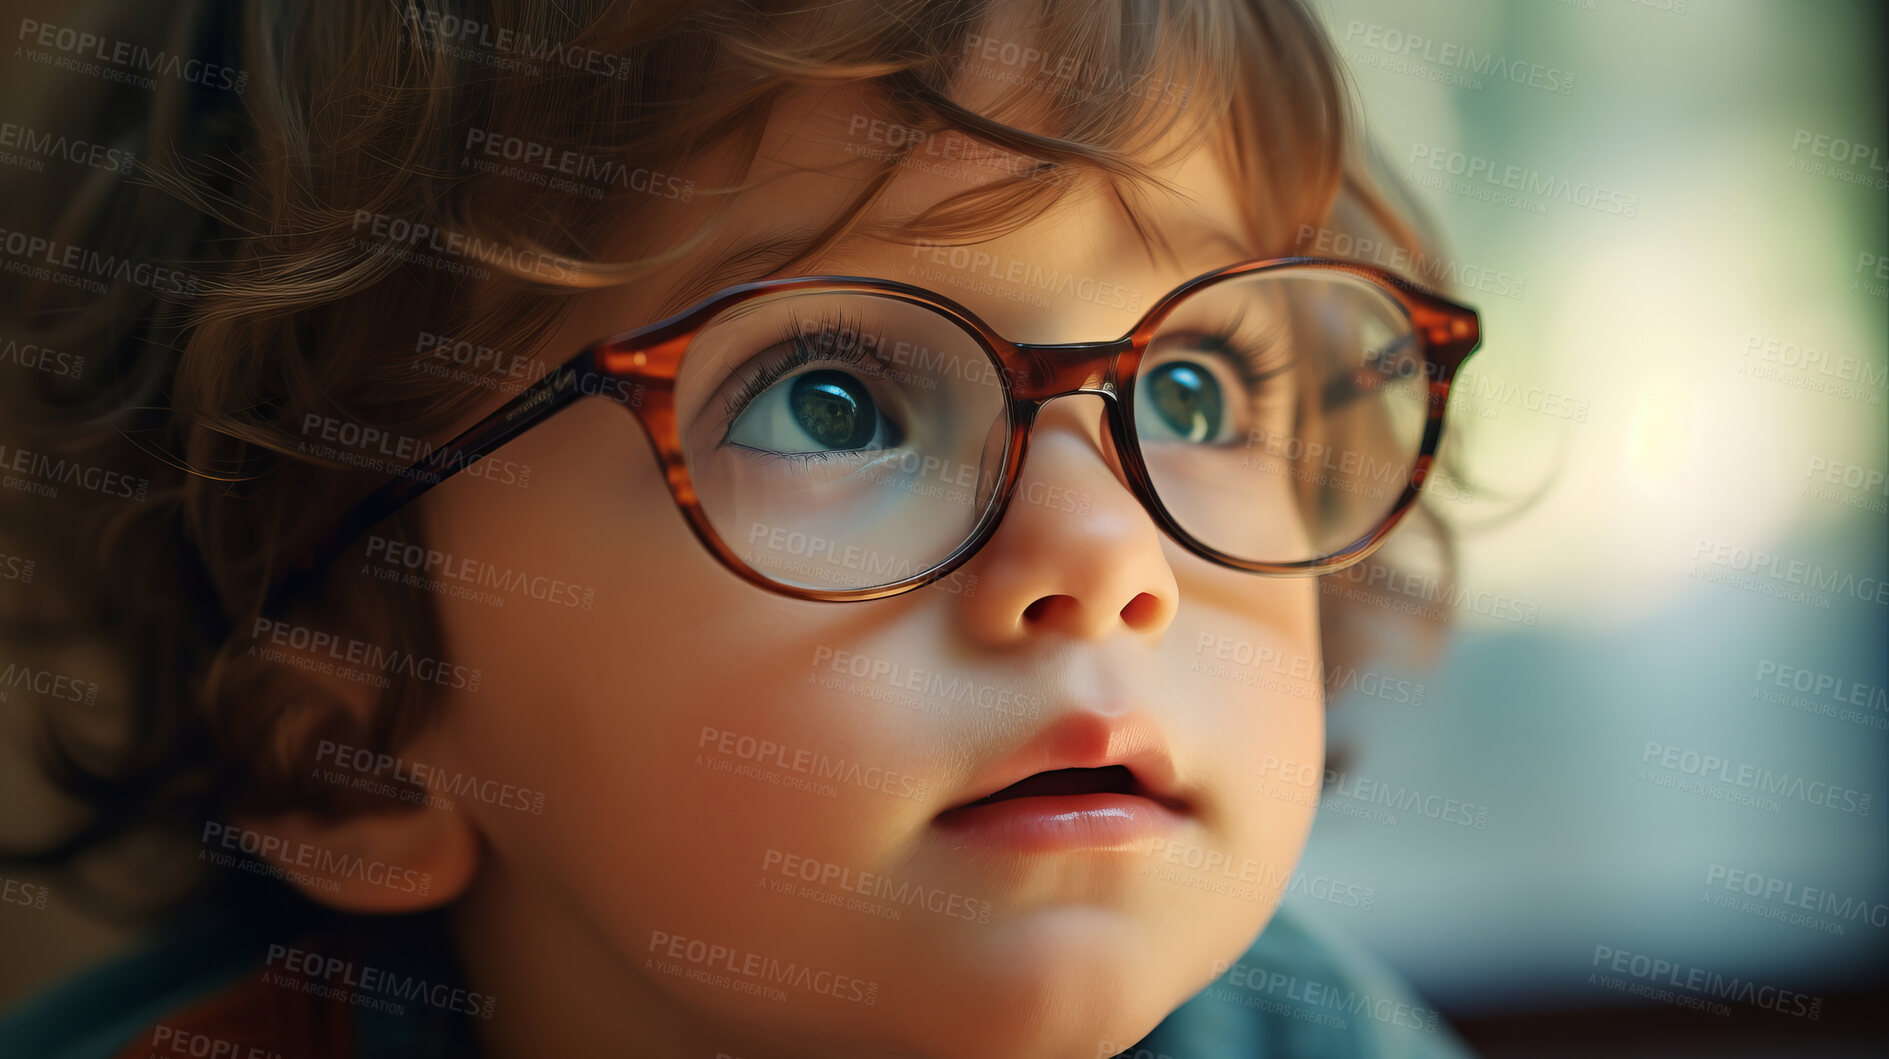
pixel 1181 400
pixel 823 410
pixel 1204 388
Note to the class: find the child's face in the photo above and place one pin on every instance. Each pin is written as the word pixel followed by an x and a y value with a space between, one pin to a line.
pixel 737 782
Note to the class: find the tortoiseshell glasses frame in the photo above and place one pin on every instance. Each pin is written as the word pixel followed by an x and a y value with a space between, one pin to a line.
pixel 638 370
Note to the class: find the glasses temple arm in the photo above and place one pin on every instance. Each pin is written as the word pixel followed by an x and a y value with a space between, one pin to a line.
pixel 532 406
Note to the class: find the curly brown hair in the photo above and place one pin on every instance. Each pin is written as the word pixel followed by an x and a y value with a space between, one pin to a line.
pixel 247 193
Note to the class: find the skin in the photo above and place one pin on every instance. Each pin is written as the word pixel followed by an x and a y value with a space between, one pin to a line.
pixel 1096 616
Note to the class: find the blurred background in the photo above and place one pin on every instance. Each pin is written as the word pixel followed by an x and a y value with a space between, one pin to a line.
pixel 1672 216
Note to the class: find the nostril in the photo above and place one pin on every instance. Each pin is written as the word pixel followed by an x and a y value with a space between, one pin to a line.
pixel 1041 609
pixel 1142 612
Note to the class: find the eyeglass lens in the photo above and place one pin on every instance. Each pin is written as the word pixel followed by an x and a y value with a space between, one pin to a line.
pixel 849 440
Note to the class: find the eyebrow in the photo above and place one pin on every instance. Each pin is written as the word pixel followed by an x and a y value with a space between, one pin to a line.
pixel 1240 250
pixel 737 264
pixel 1218 237
pixel 734 265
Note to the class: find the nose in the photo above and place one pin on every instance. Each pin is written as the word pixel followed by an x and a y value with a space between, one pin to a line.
pixel 1076 555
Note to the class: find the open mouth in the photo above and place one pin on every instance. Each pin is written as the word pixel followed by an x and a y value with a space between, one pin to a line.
pixel 1088 782
pixel 1062 783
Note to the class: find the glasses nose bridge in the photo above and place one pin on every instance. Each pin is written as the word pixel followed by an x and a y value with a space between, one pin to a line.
pixel 1041 372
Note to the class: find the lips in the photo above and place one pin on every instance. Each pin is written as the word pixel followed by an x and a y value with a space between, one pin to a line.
pixel 1109 779
pixel 1089 781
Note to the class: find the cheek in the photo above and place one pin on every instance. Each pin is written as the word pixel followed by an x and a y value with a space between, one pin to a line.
pixel 686 729
pixel 1246 668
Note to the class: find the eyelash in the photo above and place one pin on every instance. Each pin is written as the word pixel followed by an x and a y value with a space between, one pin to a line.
pixel 1257 361
pixel 799 354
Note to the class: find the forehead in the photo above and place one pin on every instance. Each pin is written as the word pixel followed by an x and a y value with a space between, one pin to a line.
pixel 823 148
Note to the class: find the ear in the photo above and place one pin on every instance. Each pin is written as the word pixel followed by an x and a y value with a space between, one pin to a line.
pixel 376 862
pixel 380 854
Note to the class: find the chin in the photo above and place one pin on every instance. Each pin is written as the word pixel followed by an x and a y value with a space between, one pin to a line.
pixel 1037 1027
pixel 1057 987
pixel 1069 1023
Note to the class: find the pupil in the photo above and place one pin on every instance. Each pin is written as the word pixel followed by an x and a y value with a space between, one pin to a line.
pixel 834 409
pixel 1188 399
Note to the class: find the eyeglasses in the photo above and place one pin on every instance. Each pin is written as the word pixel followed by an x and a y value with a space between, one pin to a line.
pixel 847 438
